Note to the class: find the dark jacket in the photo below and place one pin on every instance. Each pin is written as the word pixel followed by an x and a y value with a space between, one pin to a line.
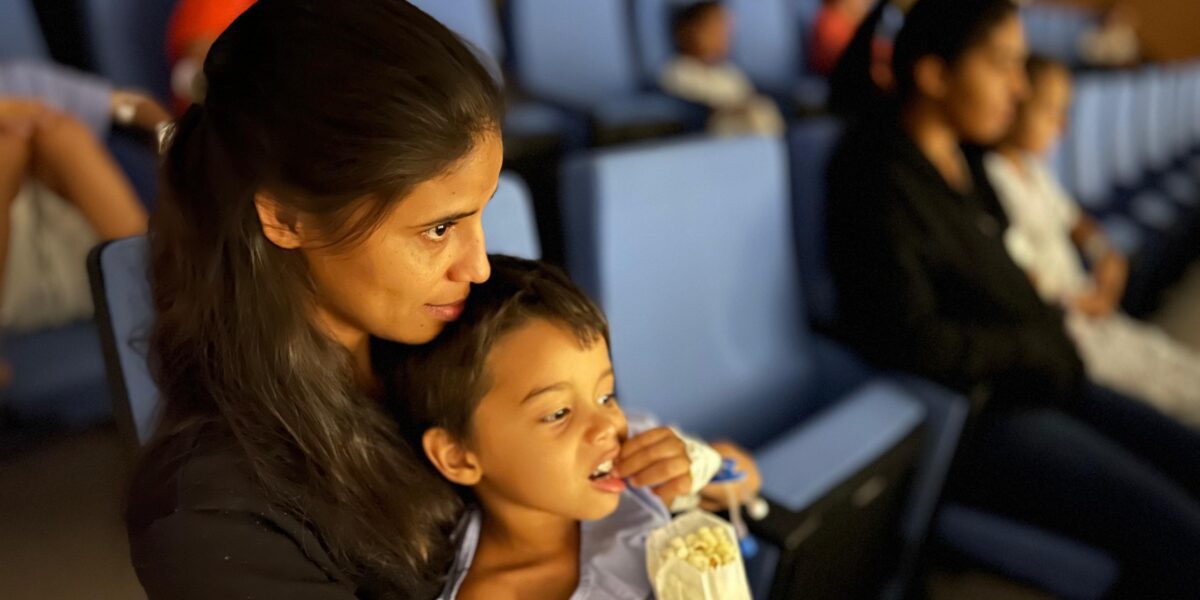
pixel 924 282
pixel 200 529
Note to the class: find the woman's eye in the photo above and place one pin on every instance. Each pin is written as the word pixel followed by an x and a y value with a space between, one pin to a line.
pixel 607 399
pixel 438 232
pixel 556 416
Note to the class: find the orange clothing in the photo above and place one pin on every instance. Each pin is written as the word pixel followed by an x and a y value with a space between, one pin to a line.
pixel 832 32
pixel 195 20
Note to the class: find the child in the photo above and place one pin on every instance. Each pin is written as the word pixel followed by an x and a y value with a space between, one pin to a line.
pixel 703 74
pixel 1047 233
pixel 515 403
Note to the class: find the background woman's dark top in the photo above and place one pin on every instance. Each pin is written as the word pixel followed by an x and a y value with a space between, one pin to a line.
pixel 200 529
pixel 923 279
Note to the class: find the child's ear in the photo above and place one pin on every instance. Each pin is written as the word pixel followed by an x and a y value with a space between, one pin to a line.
pixel 451 458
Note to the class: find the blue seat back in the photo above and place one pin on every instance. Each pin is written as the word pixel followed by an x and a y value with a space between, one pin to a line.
pixel 812 144
pixel 767 42
pixel 129 41
pixel 20 34
pixel 1153 108
pixel 652 23
pixel 1086 143
pixel 688 248
pixel 508 220
pixel 1123 148
pixel 574 51
pixel 124 316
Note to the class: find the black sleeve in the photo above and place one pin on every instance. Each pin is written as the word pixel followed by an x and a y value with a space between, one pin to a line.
pixel 890 306
pixel 211 555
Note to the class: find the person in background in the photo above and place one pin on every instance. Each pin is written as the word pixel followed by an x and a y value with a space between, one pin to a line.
pixel 61 191
pixel 1047 233
pixel 1113 42
pixel 925 285
pixel 194 26
pixel 832 32
pixel 702 73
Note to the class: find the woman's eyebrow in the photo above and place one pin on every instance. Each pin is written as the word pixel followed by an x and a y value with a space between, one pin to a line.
pixel 446 219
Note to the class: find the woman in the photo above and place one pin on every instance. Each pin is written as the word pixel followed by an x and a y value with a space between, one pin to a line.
pixel 926 285
pixel 326 193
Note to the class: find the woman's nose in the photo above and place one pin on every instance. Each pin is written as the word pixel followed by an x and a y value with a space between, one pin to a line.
pixel 473 266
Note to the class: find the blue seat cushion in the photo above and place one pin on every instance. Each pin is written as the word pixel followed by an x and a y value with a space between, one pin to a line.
pixel 1065 568
pixel 804 464
pixel 58 375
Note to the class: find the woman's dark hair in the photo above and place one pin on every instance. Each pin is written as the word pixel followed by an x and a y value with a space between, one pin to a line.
pixel 338 109
pixel 441 384
pixel 942 28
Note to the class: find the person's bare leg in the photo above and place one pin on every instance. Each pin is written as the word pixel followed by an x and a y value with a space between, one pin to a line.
pixel 74 164
pixel 15 156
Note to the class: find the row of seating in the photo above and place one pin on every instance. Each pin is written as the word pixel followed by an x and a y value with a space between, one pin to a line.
pixel 698 250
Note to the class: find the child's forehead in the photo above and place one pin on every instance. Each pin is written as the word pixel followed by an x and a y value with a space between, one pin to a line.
pixel 541 348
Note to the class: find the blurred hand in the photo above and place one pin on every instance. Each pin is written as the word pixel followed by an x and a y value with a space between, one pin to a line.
pixel 1096 304
pixel 657 459
pixel 713 497
pixel 148 113
pixel 1111 275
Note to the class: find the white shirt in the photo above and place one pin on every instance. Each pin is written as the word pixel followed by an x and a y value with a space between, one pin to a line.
pixel 1042 216
pixel 717 86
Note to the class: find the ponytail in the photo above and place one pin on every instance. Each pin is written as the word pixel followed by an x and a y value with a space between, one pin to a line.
pixel 853 91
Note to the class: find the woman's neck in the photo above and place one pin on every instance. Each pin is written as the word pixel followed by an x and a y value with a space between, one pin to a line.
pixel 938 141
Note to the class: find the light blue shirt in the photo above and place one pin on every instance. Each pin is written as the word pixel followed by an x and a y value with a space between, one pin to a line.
pixel 612 550
pixel 85 96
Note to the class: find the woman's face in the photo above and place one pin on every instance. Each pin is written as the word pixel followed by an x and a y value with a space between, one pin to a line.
pixel 983 88
pixel 410 277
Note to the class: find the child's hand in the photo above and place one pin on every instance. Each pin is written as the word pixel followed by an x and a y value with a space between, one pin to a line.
pixel 713 497
pixel 657 459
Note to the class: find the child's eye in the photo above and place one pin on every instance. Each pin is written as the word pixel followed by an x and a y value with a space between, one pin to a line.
pixel 556 416
pixel 438 232
pixel 607 399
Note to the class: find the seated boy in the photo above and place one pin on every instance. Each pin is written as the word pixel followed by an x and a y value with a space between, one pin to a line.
pixel 515 403
pixel 702 73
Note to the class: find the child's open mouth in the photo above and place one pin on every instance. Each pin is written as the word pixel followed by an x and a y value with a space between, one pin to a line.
pixel 604 480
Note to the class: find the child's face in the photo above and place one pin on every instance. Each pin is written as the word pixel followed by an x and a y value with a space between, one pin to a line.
pixel 1044 116
pixel 708 38
pixel 548 423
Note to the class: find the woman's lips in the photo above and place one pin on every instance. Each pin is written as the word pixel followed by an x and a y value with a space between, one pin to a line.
pixel 446 312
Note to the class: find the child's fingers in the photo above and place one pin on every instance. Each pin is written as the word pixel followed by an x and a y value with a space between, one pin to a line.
pixel 665 449
pixel 674 488
pixel 644 439
pixel 663 471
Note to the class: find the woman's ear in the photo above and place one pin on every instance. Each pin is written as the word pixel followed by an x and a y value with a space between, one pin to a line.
pixel 454 461
pixel 930 75
pixel 280 223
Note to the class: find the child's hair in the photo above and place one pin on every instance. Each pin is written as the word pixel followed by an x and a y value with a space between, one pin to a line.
pixel 441 384
pixel 686 16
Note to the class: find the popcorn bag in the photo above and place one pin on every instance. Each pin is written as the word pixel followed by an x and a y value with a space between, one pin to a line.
pixel 696 557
